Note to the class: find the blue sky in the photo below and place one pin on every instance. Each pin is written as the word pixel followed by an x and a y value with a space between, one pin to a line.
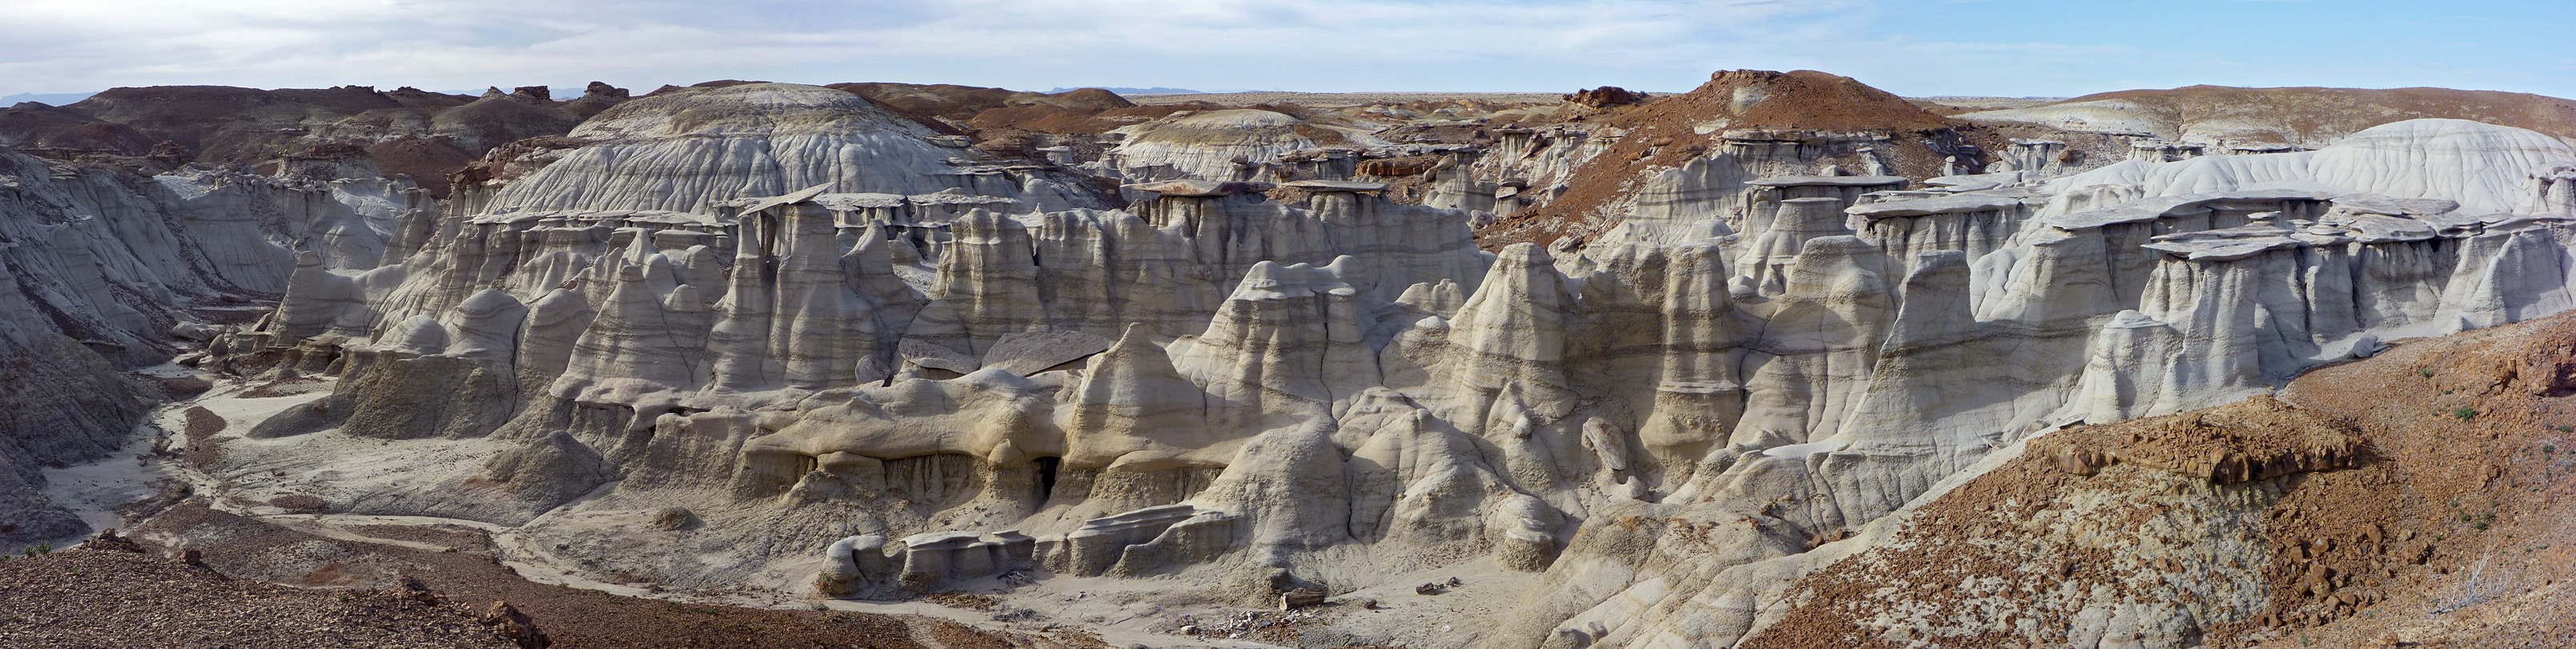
pixel 1920 47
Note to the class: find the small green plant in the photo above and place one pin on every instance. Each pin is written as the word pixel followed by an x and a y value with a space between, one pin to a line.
pixel 710 611
pixel 2464 413
pixel 2446 392
pixel 345 597
pixel 2427 372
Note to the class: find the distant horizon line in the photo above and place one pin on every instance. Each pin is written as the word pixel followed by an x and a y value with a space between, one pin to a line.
pixel 65 98
pixel 1123 91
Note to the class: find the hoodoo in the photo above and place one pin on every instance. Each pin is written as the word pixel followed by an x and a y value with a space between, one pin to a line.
pixel 1782 361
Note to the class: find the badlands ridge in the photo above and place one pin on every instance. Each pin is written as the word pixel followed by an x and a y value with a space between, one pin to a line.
pixel 1618 370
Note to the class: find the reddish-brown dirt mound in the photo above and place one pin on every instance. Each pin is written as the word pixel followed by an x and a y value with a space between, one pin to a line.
pixel 101 595
pixel 1605 97
pixel 246 128
pixel 2259 440
pixel 227 124
pixel 499 120
pixel 1664 133
pixel 40 126
pixel 201 426
pixel 1050 118
pixel 427 161
pixel 466 573
pixel 1802 100
pixel 961 103
pixel 931 100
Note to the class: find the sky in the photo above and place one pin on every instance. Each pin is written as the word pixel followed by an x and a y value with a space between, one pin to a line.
pixel 2015 48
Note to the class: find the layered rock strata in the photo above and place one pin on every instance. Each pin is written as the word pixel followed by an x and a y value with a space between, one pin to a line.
pixel 105 269
pixel 1213 382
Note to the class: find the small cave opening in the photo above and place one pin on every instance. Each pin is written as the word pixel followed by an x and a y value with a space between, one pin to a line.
pixel 1046 477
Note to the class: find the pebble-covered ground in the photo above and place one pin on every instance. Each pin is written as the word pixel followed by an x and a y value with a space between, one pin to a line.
pixel 269 586
pixel 110 594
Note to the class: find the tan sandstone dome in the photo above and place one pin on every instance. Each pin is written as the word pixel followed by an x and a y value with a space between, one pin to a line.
pixel 1212 145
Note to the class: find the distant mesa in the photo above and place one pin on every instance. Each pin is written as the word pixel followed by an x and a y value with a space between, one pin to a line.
pixel 2300 117
pixel 1157 90
pixel 1606 97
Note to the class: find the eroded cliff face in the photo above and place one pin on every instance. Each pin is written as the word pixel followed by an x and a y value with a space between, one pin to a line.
pixel 104 269
pixel 405 134
pixel 874 369
pixel 871 359
pixel 1701 156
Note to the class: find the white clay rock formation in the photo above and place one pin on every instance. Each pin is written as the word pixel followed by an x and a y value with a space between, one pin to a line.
pixel 102 270
pixel 2216 120
pixel 875 359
